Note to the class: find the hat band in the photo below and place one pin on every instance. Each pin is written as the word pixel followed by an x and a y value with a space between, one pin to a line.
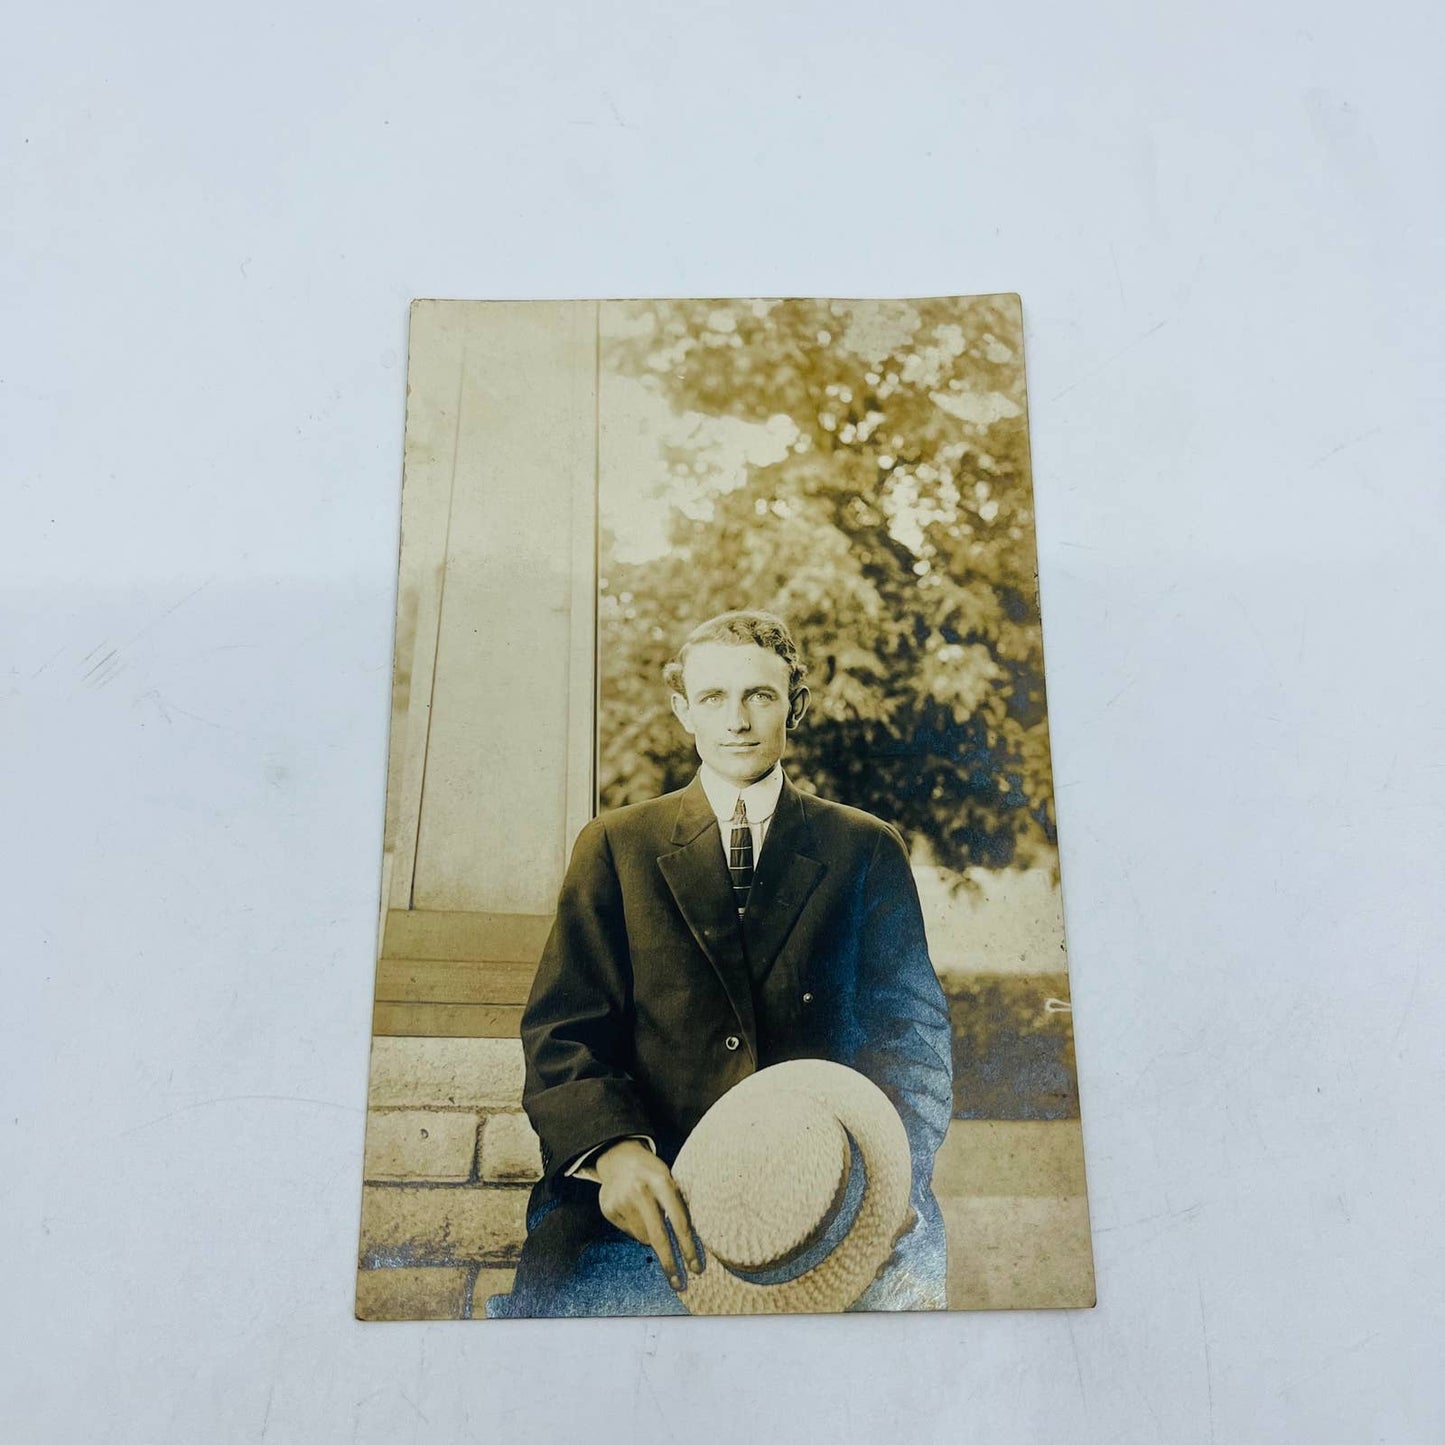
pixel 840 1218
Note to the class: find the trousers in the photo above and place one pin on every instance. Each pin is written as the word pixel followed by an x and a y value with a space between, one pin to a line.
pixel 576 1263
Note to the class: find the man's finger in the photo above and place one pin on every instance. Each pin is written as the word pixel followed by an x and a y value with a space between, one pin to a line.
pixel 670 1197
pixel 659 1241
pixel 630 1223
pixel 616 1213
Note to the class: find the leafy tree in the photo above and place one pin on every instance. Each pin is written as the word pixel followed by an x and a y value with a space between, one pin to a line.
pixel 895 535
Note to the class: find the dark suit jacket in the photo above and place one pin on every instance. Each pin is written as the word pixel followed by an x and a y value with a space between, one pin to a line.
pixel 653 998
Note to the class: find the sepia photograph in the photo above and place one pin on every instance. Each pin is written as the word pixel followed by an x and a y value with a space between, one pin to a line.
pixel 722 720
pixel 721 955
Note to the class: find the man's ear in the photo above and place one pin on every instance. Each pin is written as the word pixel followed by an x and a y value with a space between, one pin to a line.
pixel 680 710
pixel 797 706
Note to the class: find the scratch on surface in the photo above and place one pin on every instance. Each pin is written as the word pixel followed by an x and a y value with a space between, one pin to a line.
pixel 1143 1395
pixel 238 1099
pixel 174 607
pixel 102 672
pixel 220 726
pixel 1208 1362
pixel 1227 194
pixel 1188 1212
pixel 421 1377
pixel 154 696
pixel 99 664
pixel 48 661
pixel 356 1413
pixel 1249 619
pixel 647 1352
pixel 1408 1009
pixel 1110 360
pixel 1328 1364
pixel 415 1407
pixel 1121 692
pixel 1344 446
pixel 1078 1366
pixel 637 1388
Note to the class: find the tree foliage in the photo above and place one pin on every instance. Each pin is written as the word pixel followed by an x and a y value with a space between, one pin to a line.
pixel 895 535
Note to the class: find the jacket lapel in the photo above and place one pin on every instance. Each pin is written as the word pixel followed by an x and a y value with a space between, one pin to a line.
pixel 785 876
pixel 698 878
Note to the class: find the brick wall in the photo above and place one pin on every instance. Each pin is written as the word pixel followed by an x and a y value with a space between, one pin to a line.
pixel 450 1159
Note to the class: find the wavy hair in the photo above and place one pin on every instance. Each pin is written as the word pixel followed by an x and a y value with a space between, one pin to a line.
pixel 761 629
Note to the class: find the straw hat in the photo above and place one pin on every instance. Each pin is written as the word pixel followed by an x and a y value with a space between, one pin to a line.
pixel 797 1182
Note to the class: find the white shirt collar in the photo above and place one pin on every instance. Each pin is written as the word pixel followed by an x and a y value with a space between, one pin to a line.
pixel 759 798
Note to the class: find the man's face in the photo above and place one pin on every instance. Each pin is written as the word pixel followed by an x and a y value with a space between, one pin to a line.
pixel 736 708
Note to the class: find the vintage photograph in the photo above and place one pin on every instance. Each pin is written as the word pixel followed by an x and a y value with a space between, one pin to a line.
pixel 721 961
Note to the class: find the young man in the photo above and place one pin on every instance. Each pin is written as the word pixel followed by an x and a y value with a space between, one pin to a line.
pixel 702 936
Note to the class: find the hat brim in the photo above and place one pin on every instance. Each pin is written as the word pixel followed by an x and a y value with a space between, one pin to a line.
pixel 845 1270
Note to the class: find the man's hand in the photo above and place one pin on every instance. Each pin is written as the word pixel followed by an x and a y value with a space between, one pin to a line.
pixel 640 1196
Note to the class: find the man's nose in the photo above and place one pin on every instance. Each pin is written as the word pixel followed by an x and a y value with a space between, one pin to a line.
pixel 738 720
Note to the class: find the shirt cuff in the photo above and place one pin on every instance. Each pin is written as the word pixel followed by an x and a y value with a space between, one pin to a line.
pixel 581 1166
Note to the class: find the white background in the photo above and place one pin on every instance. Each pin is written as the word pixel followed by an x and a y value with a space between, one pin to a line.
pixel 1224 221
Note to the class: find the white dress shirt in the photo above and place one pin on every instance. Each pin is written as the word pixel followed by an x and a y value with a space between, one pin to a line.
pixel 761 801
pixel 759 798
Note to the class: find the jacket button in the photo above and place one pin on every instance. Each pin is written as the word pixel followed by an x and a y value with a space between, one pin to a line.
pixel 732 1041
pixel 807 998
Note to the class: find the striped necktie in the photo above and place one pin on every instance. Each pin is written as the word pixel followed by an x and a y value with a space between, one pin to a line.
pixel 740 856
